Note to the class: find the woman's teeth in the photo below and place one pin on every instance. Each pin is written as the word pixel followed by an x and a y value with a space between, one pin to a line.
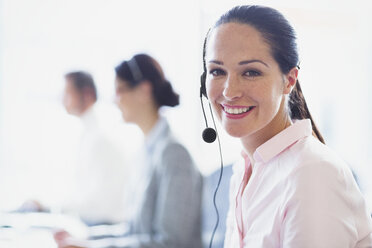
pixel 236 111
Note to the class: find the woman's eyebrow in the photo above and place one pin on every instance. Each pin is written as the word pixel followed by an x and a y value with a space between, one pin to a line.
pixel 215 62
pixel 244 62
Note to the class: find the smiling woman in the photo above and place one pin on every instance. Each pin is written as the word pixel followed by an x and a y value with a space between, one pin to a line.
pixel 290 190
pixel 246 76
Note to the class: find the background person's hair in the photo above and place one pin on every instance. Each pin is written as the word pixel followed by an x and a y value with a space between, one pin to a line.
pixel 281 38
pixel 143 67
pixel 83 82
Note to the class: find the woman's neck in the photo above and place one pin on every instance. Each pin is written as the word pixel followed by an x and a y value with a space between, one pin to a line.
pixel 252 142
pixel 148 121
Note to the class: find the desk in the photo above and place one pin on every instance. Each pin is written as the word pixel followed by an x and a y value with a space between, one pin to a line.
pixel 35 230
pixel 30 238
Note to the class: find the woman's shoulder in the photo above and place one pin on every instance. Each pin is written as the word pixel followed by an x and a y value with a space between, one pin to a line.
pixel 167 142
pixel 173 154
pixel 315 163
pixel 170 144
pixel 310 152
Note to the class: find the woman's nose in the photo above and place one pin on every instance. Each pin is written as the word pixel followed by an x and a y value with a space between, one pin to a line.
pixel 232 88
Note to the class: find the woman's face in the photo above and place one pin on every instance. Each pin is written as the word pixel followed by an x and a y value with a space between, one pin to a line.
pixel 244 83
pixel 127 100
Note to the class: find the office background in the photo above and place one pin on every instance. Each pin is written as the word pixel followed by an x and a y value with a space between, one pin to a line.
pixel 40 40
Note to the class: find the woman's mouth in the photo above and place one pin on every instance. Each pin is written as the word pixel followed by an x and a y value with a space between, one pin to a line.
pixel 237 112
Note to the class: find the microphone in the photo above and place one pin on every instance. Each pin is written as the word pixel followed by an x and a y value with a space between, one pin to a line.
pixel 209 134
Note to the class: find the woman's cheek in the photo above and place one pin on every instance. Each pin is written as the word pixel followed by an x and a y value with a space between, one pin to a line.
pixel 213 90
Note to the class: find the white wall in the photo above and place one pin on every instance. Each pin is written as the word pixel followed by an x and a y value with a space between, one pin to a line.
pixel 41 40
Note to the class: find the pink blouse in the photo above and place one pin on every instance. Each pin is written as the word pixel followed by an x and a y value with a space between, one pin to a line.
pixel 298 194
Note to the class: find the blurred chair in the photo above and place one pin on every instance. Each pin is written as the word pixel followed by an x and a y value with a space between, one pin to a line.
pixel 208 212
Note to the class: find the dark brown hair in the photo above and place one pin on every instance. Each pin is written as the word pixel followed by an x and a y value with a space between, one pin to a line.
pixel 143 67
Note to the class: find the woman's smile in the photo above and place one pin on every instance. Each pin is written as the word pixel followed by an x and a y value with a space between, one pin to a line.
pixel 236 112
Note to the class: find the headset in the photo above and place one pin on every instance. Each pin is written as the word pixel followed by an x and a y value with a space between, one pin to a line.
pixel 209 135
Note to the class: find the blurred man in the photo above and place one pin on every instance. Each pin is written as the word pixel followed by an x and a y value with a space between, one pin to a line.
pixel 98 195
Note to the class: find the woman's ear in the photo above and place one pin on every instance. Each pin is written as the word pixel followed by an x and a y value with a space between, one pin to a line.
pixel 146 86
pixel 290 80
pixel 145 89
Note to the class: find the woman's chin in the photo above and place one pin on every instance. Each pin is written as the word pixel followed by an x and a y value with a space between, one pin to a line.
pixel 235 132
pixel 239 131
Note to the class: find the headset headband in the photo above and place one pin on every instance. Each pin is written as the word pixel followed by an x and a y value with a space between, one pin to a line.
pixel 135 70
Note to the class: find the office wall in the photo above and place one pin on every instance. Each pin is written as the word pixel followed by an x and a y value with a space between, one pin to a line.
pixel 41 40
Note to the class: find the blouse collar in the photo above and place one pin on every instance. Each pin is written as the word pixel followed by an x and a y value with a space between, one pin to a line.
pixel 282 140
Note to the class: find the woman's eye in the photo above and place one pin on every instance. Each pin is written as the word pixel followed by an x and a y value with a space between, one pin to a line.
pixel 216 72
pixel 252 73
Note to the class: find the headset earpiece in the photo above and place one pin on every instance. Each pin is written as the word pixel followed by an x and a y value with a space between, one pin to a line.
pixel 203 90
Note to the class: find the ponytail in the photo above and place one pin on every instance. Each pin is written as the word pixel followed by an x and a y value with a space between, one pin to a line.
pixel 298 109
pixel 164 95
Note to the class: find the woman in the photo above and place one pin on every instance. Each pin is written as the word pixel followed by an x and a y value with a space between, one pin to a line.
pixel 290 190
pixel 165 198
